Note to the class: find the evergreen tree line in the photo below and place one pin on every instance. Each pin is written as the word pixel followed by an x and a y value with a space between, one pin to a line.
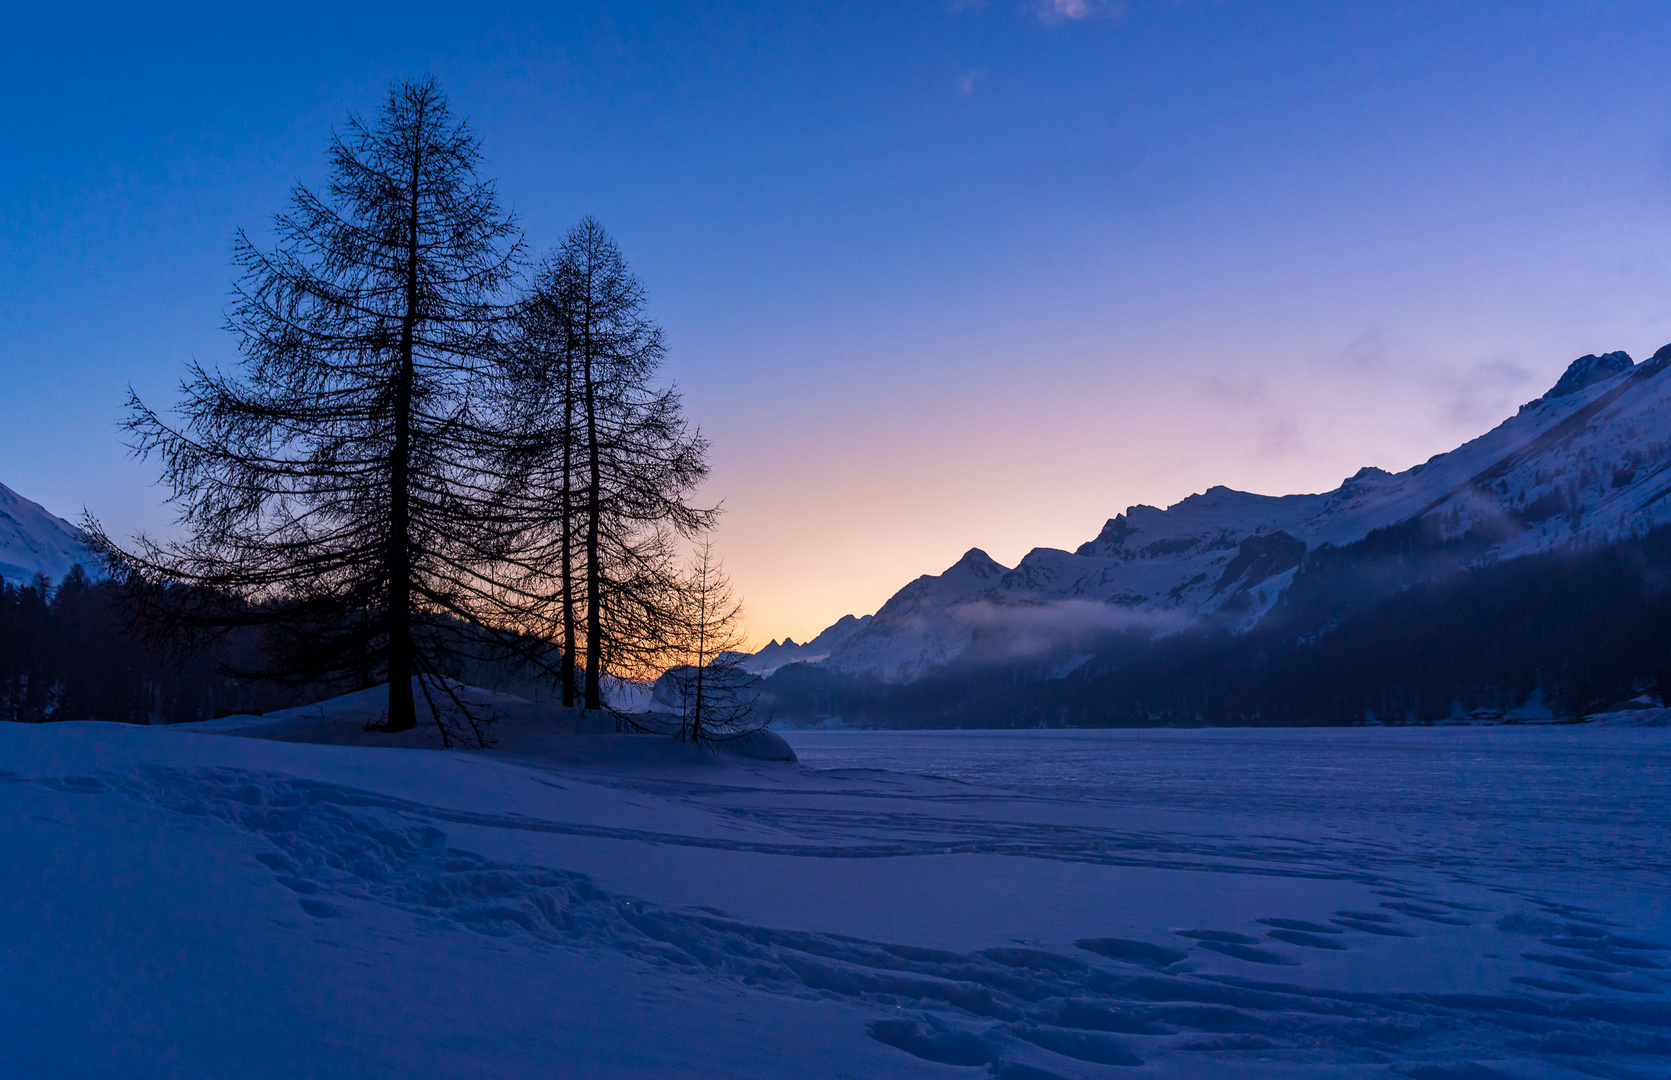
pixel 66 654
pixel 436 452
pixel 1398 628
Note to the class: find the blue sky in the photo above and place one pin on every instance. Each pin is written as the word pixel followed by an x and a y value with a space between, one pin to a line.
pixel 934 275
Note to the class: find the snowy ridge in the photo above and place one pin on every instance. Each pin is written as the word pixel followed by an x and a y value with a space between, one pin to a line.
pixel 777 653
pixel 1589 462
pixel 32 542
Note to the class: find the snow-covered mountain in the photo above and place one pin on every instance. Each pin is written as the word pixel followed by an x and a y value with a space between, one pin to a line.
pixel 1589 462
pixel 33 541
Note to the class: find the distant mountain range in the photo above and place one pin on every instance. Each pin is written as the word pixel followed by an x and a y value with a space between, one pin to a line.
pixel 1525 573
pixel 1585 465
pixel 33 541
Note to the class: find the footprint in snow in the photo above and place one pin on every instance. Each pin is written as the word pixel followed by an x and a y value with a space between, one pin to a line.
pixel 1237 946
pixel 1370 922
pixel 1225 937
pixel 1298 924
pixel 1014 1070
pixel 1080 1045
pixel 1547 984
pixel 1431 914
pixel 1133 952
pixel 1252 955
pixel 1310 941
pixel 942 1046
pixel 1300 932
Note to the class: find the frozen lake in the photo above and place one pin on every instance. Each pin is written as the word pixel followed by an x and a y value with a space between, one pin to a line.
pixel 1555 771
pixel 1595 802
pixel 1440 904
pixel 1504 858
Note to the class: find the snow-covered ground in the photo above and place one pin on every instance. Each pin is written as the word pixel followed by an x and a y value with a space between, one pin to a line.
pixel 1437 903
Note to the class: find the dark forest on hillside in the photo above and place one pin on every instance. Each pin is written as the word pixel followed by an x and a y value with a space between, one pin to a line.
pixel 69 653
pixel 1394 629
pixel 78 651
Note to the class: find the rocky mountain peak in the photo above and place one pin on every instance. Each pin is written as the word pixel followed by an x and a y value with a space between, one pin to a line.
pixel 1590 369
pixel 1111 539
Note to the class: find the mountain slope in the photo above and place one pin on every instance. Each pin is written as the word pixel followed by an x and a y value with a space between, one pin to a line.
pixel 1588 463
pixel 33 541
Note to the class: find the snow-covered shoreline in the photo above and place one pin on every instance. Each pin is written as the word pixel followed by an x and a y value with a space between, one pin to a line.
pixel 188 904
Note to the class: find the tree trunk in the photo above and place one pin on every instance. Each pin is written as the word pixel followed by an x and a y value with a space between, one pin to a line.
pixel 594 509
pixel 701 648
pixel 403 713
pixel 566 514
pixel 701 706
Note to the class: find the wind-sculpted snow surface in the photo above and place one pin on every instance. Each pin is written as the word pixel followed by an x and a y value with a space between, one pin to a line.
pixel 1448 903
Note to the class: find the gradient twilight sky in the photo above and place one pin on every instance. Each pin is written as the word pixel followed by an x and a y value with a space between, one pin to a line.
pixel 934 275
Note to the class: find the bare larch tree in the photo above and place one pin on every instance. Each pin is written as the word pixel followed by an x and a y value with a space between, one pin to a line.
pixel 345 488
pixel 612 463
pixel 714 696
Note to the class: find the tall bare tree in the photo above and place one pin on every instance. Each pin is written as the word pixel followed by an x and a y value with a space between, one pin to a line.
pixel 539 380
pixel 343 488
pixel 612 463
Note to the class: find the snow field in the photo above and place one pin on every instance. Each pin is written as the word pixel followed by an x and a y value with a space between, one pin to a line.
pixel 190 904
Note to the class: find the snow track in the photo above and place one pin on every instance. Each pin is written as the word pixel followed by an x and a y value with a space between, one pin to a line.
pixel 1487 967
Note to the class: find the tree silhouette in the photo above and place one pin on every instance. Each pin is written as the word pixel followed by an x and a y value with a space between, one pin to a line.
pixel 714 696
pixel 608 463
pixel 345 488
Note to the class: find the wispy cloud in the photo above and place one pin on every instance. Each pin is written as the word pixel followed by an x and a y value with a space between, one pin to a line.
pixel 1004 632
pixel 1485 391
pixel 969 80
pixel 1369 351
pixel 1058 11
pixel 1055 11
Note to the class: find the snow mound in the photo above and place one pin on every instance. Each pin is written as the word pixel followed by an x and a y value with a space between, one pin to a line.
pixel 516 727
pixel 761 745
pixel 1633 718
pixel 351 719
